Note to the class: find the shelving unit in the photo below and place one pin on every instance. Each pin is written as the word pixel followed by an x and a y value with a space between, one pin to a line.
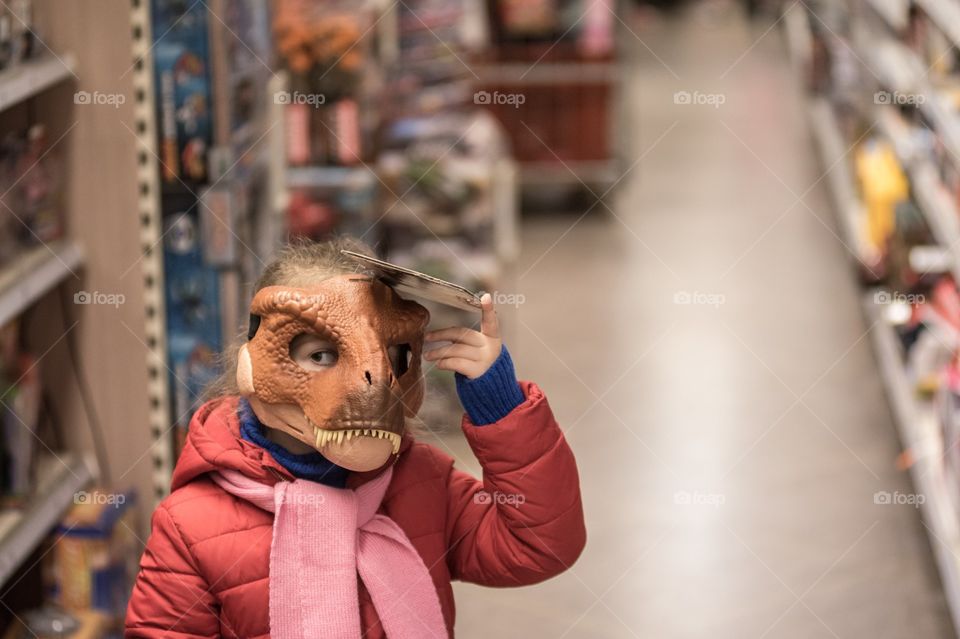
pixel 839 177
pixel 890 65
pixel 893 12
pixel 916 425
pixel 35 273
pixel 937 207
pixel 30 78
pixel 536 133
pixel 329 176
pixel 24 281
pixel 59 480
pixel 946 14
pixel 900 70
pixel 151 262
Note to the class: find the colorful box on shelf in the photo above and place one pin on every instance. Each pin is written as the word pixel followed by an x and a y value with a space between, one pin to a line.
pixel 93 559
pixel 59 479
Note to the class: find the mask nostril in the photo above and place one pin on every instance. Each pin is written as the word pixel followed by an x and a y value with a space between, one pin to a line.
pixel 369 377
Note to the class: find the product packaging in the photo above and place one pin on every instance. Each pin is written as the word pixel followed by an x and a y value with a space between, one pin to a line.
pixel 94 554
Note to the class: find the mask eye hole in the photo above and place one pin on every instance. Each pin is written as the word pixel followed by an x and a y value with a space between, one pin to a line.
pixel 312 353
pixel 400 358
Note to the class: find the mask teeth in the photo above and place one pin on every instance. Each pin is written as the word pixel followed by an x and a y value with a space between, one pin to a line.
pixel 325 436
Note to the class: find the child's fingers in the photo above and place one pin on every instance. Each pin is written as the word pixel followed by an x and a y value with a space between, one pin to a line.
pixel 456 334
pixel 489 324
pixel 459 365
pixel 464 351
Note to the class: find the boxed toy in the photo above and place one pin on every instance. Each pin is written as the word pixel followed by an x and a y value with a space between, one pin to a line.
pixel 183 89
pixel 94 557
pixel 193 309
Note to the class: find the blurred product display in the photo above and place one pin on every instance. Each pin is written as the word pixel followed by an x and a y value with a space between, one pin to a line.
pixel 50 622
pixel 154 155
pixel 39 477
pixel 31 179
pixel 884 83
pixel 212 115
pixel 92 563
pixel 552 78
pixel 21 413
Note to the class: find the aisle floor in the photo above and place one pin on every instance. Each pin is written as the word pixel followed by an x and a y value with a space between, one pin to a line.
pixel 759 402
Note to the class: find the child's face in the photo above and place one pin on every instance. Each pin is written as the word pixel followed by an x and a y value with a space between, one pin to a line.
pixel 336 366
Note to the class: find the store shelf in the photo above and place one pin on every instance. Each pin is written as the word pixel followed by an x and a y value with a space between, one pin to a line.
pixel 60 479
pixel 946 14
pixel 893 12
pixel 833 155
pixel 897 132
pixel 330 177
pixel 30 78
pixel 916 424
pixel 598 172
pixel 796 24
pixel 896 66
pixel 31 275
pixel 937 207
pixel 567 73
pixel 936 204
pixel 901 70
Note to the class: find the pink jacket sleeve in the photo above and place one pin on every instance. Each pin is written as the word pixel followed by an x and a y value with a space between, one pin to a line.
pixel 523 523
pixel 170 598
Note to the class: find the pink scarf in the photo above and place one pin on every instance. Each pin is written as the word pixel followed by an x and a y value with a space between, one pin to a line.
pixel 322 538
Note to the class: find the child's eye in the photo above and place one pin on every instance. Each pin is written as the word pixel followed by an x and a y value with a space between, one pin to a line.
pixel 323 358
pixel 312 352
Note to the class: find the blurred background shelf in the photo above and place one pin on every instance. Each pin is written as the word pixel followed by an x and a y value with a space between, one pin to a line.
pixel 838 175
pixel 28 277
pixel 935 203
pixel 917 425
pixel 893 12
pixel 599 173
pixel 946 13
pixel 59 479
pixel 30 78
pixel 330 176
pixel 901 71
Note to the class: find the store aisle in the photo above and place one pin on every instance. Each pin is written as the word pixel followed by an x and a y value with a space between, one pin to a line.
pixel 703 347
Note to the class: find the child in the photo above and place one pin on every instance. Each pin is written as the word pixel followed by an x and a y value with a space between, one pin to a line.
pixel 302 507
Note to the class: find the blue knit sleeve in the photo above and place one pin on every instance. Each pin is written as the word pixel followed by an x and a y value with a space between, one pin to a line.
pixel 491 397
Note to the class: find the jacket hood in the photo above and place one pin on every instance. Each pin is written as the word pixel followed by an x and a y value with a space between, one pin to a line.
pixel 214 443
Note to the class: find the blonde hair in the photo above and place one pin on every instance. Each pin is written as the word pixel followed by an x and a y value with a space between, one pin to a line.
pixel 297 264
pixel 304 262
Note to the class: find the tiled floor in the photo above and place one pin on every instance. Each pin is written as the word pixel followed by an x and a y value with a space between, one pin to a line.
pixel 767 401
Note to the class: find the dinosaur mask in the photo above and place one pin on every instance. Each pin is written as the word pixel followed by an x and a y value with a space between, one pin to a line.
pixel 336 366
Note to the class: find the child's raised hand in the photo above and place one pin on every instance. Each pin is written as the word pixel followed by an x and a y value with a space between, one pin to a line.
pixel 470 352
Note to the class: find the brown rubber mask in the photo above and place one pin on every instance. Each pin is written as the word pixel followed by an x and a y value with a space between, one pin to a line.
pixel 376 380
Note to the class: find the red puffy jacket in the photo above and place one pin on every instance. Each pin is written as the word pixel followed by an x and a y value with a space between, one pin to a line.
pixel 206 567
